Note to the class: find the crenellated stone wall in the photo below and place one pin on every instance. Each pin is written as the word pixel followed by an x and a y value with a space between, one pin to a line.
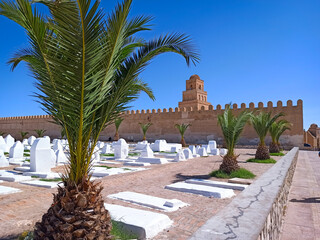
pixel 204 125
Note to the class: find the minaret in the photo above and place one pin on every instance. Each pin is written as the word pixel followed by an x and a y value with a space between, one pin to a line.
pixel 194 96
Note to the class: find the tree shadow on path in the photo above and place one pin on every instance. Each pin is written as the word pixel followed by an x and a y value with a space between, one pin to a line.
pixel 180 177
pixel 307 200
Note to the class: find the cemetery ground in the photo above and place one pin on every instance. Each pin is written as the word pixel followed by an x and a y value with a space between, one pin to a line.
pixel 20 211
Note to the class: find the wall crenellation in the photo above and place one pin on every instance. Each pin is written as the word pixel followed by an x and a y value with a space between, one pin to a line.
pixel 243 106
pixel 184 109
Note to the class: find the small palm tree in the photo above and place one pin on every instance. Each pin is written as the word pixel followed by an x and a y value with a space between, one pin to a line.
pixel 87 69
pixel 23 134
pixel 117 123
pixel 40 132
pixel 144 128
pixel 261 124
pixel 232 128
pixel 182 128
pixel 276 130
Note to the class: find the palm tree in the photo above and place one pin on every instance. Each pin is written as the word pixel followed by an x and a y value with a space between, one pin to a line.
pixel 261 124
pixel 182 128
pixel 144 128
pixel 87 72
pixel 276 130
pixel 40 132
pixel 23 134
pixel 232 128
pixel 117 123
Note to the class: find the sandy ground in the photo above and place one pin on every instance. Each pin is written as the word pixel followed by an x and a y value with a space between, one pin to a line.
pixel 20 211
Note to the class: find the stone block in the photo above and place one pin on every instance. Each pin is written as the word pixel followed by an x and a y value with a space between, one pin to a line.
pixel 3 160
pixel 43 184
pixel 167 205
pixel 187 153
pixel 8 190
pixel 121 149
pixel 147 152
pixel 152 160
pixel 40 155
pixel 143 224
pixel 219 184
pixel 179 157
pixel 201 190
pixel 202 152
pixel 16 151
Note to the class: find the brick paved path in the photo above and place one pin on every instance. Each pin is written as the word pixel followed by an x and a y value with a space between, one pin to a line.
pixel 302 220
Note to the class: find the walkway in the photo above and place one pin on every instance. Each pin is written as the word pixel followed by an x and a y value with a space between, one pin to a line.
pixel 302 220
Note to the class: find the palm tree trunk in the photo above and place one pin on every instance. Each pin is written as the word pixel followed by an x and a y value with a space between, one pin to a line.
pixel 183 142
pixel 144 138
pixel 116 136
pixel 262 152
pixel 229 164
pixel 77 212
pixel 274 148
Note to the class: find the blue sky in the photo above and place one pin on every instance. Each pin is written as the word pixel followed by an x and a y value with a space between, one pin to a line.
pixel 251 51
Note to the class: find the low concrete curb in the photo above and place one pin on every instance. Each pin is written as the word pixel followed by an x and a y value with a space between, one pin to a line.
pixel 257 212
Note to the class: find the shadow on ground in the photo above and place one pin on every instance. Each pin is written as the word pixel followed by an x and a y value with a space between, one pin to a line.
pixel 307 200
pixel 180 177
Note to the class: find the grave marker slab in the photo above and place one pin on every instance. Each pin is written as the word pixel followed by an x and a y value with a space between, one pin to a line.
pixel 167 205
pixel 211 183
pixel 40 155
pixel 143 224
pixel 201 190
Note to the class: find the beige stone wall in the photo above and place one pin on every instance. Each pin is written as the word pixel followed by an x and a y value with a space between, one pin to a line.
pixel 204 125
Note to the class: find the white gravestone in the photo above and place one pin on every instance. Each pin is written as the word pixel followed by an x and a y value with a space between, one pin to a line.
pixel 179 157
pixel 223 151
pixel 3 160
pixel 25 142
pixel 16 151
pixel 57 145
pixel 193 149
pixel 3 145
pixel 9 141
pixel 212 144
pixel 53 158
pixel 31 140
pixel 121 149
pixel 141 145
pixel 160 146
pixel 202 152
pixel 106 149
pixel 48 138
pixel 40 155
pixel 61 157
pixel 215 151
pixel 147 152
pixel 100 145
pixel 187 153
pixel 207 148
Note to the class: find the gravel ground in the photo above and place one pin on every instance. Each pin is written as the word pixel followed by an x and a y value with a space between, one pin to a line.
pixel 20 211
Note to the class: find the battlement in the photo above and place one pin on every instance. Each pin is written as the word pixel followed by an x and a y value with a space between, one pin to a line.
pixel 279 105
pixel 243 106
